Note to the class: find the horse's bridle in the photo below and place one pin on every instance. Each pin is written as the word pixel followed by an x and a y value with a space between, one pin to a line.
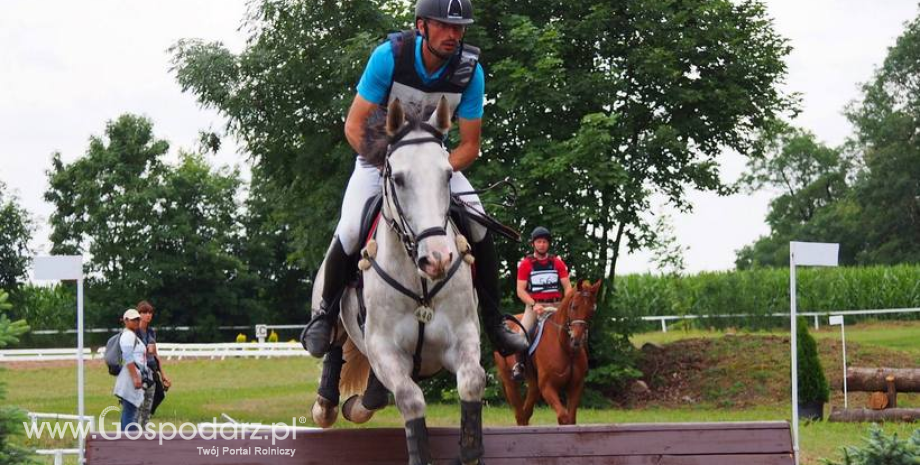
pixel 407 235
pixel 569 322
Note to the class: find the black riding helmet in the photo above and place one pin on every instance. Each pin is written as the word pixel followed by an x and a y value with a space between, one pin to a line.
pixel 445 11
pixel 540 232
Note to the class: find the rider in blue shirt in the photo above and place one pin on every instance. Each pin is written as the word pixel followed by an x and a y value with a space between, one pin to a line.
pixel 418 67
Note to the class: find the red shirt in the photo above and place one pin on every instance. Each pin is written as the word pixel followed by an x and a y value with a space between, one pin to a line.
pixel 543 277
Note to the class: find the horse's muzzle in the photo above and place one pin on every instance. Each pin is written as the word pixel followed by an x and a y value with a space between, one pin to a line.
pixel 435 264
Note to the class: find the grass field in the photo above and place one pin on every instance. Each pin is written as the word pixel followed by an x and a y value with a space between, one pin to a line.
pixel 278 390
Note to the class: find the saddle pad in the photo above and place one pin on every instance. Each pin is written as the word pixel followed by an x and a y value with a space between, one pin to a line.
pixel 536 340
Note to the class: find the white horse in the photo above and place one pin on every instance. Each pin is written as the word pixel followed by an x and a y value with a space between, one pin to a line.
pixel 417 282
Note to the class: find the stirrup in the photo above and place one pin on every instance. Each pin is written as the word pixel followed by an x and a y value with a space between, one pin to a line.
pixel 517 372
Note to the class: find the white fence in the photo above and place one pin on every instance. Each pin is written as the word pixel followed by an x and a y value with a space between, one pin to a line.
pixel 58 454
pixel 169 351
pixel 222 351
pixel 815 315
pixel 41 355
pixel 231 349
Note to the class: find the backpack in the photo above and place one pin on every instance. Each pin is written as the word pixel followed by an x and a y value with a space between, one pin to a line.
pixel 113 353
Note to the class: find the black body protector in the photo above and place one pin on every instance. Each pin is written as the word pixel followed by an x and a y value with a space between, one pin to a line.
pixel 407 85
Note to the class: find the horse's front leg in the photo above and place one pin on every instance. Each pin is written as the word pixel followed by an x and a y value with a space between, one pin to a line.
pixel 395 373
pixel 576 385
pixel 550 394
pixel 533 396
pixel 471 383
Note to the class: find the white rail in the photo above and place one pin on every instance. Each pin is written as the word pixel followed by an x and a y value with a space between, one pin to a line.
pixel 34 417
pixel 815 315
pixel 231 349
pixel 169 351
pixel 58 454
pixel 40 355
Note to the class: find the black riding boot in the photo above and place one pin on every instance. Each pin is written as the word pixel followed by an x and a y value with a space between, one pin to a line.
pixel 505 341
pixel 317 336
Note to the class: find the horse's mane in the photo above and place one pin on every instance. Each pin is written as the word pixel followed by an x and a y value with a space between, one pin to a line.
pixel 376 140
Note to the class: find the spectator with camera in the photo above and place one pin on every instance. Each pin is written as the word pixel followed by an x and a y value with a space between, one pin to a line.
pixel 155 392
pixel 130 383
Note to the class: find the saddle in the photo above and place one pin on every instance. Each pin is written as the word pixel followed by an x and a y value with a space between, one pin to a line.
pixel 460 215
pixel 536 333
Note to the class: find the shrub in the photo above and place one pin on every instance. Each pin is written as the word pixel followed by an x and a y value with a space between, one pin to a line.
pixel 882 450
pixel 812 382
pixel 11 418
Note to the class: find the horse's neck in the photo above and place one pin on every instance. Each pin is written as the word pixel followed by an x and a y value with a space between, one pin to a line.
pixel 559 318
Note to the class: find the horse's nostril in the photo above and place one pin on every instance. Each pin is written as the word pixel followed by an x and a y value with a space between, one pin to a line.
pixel 422 263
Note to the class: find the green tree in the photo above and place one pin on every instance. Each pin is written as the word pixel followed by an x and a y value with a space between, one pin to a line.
pixel 596 105
pixel 886 122
pixel 11 418
pixel 169 234
pixel 815 201
pixel 15 230
pixel 593 106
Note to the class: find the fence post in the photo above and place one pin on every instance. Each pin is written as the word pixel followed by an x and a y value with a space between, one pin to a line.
pixel 664 325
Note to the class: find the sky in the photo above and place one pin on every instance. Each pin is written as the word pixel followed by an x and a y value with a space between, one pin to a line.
pixel 69 67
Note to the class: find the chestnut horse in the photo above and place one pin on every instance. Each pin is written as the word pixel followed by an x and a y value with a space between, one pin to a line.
pixel 559 364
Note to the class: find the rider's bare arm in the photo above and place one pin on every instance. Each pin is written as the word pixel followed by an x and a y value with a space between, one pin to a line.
pixel 468 150
pixel 360 110
pixel 522 293
pixel 566 286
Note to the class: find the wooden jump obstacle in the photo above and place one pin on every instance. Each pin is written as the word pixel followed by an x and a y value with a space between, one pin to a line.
pixel 884 384
pixel 749 443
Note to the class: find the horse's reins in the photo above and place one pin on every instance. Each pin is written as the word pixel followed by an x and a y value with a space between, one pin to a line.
pixel 401 227
pixel 410 240
pixel 569 322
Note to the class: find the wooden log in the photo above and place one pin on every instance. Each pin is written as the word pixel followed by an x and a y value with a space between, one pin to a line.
pixel 892 393
pixel 867 415
pixel 878 401
pixel 873 379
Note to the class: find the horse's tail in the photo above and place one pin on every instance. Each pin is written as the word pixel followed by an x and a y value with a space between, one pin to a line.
pixel 354 372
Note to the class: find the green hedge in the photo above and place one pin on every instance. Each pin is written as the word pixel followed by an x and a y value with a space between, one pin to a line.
pixel 761 292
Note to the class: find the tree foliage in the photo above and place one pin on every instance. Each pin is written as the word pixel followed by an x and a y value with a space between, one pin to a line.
pixel 815 201
pixel 864 195
pixel 168 234
pixel 15 231
pixel 592 106
pixel 813 385
pixel 11 418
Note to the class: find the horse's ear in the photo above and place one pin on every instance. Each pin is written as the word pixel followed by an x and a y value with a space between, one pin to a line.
pixel 597 285
pixel 395 118
pixel 440 119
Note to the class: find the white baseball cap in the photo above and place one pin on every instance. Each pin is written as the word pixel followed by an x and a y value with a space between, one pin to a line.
pixel 131 314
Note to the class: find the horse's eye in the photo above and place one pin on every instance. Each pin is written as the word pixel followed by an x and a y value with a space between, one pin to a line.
pixel 450 174
pixel 399 180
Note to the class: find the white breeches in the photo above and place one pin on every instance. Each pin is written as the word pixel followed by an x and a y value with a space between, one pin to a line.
pixel 365 182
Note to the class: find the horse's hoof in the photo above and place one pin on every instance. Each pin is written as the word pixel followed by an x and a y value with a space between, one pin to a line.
pixel 324 412
pixel 355 412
